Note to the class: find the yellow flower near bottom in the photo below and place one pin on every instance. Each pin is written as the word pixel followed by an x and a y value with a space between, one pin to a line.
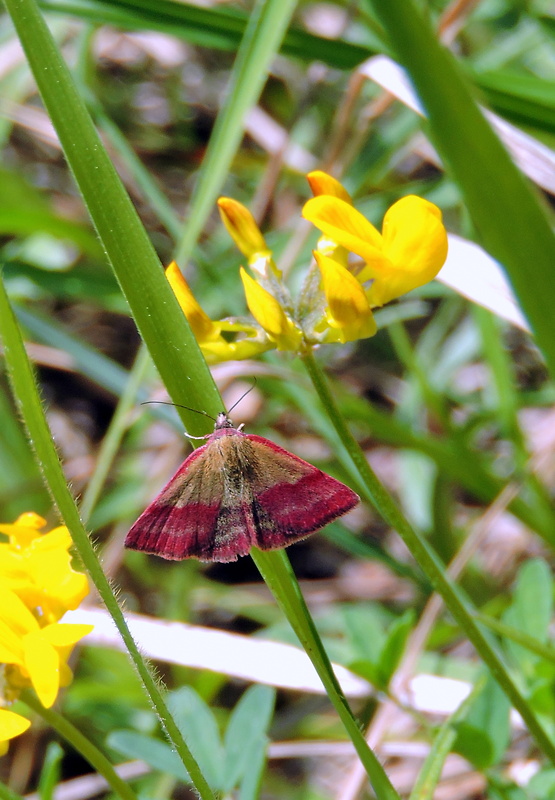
pixel 34 656
pixel 11 725
pixel 36 565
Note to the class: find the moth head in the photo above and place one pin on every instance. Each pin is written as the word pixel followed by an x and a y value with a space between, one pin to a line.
pixel 223 421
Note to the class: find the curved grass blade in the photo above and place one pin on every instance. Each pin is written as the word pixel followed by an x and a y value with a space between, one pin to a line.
pixel 124 238
pixel 262 39
pixel 508 216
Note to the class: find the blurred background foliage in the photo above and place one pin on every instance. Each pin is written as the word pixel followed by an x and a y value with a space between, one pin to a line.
pixel 451 403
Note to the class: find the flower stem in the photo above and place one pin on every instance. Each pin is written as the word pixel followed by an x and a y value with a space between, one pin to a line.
pixel 84 746
pixel 453 597
pixel 278 574
pixel 114 435
pixel 27 397
pixel 8 794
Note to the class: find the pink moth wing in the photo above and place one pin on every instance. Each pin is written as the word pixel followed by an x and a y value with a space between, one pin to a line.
pixel 238 491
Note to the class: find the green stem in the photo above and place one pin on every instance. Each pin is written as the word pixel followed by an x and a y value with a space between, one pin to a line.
pixel 430 772
pixel 405 352
pixel 26 394
pixel 428 561
pixel 266 27
pixel 545 651
pixel 84 746
pixel 115 433
pixel 8 794
pixel 278 574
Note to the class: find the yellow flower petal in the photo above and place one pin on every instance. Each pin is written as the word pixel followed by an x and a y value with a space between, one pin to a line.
pixel 242 227
pixel 11 724
pixel 15 614
pixel 57 539
pixel 42 664
pixel 60 586
pixel 270 315
pixel 201 324
pixel 347 305
pixel 343 224
pixel 415 243
pixel 11 645
pixel 322 183
pixel 25 529
pixel 61 634
pixel 216 352
pixel 41 575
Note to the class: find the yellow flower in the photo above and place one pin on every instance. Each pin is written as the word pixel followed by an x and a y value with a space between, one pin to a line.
pixel 336 299
pixel 322 183
pixel 408 253
pixel 203 327
pixel 37 567
pixel 348 310
pixel 34 656
pixel 242 228
pixel 270 315
pixel 25 529
pixel 11 725
pixel 208 333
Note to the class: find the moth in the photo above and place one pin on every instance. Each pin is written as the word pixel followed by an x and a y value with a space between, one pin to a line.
pixel 235 492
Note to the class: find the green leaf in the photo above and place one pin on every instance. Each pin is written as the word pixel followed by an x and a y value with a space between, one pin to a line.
pixel 19 473
pixel 394 646
pixel 277 572
pixel 541 785
pixel 530 610
pixel 509 218
pixel 483 736
pixel 250 785
pixel 218 28
pixel 25 211
pixel 455 600
pixel 153 752
pixel 365 631
pixel 246 733
pixel 198 725
pixel 523 98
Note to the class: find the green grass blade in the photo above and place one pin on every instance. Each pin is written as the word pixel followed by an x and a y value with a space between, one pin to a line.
pixel 26 393
pixel 160 320
pixel 511 222
pixel 88 361
pixel 113 437
pixel 8 794
pixel 430 773
pixel 125 241
pixel 262 39
pixel 217 28
pixel 545 651
pixel 454 599
pixel 82 745
pixel 276 570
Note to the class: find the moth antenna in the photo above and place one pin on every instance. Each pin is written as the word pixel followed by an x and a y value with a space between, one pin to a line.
pixel 243 396
pixel 178 405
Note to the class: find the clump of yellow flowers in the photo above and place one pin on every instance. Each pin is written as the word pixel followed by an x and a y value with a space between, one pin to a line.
pixel 339 293
pixel 37 587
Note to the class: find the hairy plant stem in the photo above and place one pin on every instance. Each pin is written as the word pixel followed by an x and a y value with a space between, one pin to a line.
pixel 453 597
